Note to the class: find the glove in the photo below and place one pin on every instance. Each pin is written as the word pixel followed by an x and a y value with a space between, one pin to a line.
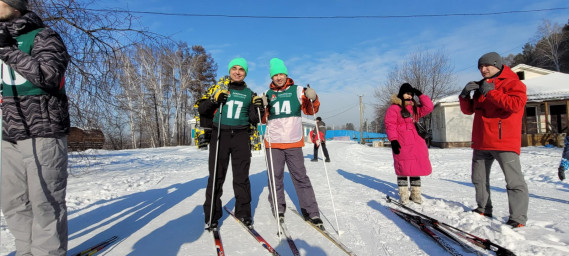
pixel 265 100
pixel 395 147
pixel 486 87
pixel 310 94
pixel 221 96
pixel 417 92
pixel 5 38
pixel 258 101
pixel 470 86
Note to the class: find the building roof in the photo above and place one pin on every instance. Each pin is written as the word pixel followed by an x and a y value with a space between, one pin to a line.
pixel 548 87
pixel 531 71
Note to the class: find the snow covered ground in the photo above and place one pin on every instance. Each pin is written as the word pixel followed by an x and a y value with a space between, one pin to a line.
pixel 151 199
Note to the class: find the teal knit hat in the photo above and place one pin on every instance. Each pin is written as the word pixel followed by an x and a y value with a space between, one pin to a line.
pixel 238 62
pixel 278 67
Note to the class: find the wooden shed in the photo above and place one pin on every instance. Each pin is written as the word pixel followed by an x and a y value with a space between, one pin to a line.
pixel 82 139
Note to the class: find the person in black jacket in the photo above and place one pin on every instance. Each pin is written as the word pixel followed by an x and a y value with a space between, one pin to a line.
pixel 35 126
pixel 234 108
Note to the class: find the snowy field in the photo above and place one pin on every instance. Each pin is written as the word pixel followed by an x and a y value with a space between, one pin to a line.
pixel 151 199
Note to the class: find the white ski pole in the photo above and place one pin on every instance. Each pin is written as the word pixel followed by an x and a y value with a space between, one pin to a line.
pixel 270 174
pixel 215 164
pixel 325 169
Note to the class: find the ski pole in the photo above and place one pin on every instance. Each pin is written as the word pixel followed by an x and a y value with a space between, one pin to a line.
pixel 215 164
pixel 270 174
pixel 326 170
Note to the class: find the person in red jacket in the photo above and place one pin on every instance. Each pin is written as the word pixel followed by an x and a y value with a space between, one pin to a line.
pixel 498 106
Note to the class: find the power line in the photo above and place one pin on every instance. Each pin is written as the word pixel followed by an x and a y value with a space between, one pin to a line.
pixel 327 17
pixel 347 109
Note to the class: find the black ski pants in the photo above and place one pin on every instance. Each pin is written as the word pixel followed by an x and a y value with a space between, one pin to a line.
pixel 324 149
pixel 234 145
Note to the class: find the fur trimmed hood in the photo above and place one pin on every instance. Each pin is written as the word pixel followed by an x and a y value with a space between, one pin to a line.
pixel 397 101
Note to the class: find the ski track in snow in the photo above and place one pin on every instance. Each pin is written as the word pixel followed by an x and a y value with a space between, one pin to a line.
pixel 151 199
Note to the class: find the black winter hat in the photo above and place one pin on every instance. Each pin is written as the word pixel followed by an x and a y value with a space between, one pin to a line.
pixel 319 118
pixel 405 88
pixel 491 58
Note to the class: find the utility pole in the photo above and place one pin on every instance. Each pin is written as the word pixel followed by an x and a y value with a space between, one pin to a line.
pixel 361 121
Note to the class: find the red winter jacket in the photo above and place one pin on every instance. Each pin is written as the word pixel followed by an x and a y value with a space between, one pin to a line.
pixel 313 138
pixel 498 115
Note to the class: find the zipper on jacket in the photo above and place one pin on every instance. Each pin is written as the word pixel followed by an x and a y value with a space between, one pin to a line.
pixel 500 129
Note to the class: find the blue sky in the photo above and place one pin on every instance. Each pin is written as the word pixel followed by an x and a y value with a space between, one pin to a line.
pixel 345 58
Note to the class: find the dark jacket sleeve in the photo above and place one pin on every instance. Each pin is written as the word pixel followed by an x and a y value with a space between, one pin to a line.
pixel 254 115
pixel 45 66
pixel 206 109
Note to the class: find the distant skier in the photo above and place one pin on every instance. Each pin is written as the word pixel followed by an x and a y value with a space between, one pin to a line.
pixel 284 139
pixel 498 106
pixel 322 132
pixel 410 152
pixel 238 106
pixel 564 166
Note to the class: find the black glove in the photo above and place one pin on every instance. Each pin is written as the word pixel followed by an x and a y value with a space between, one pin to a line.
pixel 417 92
pixel 470 86
pixel 486 87
pixel 5 38
pixel 221 97
pixel 395 147
pixel 258 101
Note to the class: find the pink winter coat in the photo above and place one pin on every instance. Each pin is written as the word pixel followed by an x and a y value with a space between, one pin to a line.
pixel 414 157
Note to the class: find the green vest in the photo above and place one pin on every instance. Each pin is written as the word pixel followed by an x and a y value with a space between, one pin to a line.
pixel 284 103
pixel 15 84
pixel 236 109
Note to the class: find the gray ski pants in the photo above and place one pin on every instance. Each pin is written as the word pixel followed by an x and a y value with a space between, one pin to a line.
pixel 294 159
pixel 34 180
pixel 517 189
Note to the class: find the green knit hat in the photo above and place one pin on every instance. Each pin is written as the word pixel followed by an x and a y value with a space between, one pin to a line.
pixel 278 67
pixel 238 62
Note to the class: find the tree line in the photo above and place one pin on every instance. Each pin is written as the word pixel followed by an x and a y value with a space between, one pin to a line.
pixel 136 86
pixel 549 49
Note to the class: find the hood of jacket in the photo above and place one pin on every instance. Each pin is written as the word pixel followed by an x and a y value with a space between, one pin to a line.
pixel 397 101
pixel 287 84
pixel 506 73
pixel 237 85
pixel 26 23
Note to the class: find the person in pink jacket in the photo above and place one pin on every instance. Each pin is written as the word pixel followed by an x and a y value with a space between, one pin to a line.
pixel 410 153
